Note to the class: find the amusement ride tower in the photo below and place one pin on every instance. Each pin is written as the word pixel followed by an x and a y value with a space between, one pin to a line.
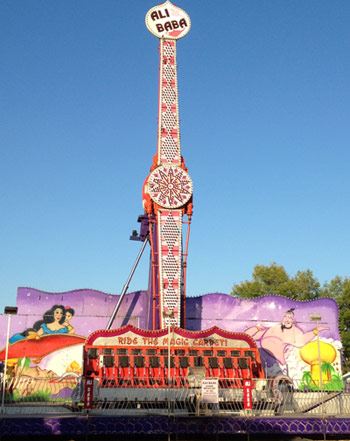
pixel 167 191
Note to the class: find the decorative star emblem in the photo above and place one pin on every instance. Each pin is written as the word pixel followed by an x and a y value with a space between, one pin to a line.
pixel 170 186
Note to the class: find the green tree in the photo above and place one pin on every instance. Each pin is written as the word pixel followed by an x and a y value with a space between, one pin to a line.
pixel 274 279
pixel 339 289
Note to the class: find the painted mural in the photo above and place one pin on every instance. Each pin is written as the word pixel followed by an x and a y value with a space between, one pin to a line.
pixel 48 334
pixel 286 347
pixel 290 341
pixel 45 358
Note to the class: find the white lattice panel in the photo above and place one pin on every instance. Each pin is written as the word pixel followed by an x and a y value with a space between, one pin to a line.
pixel 168 188
pixel 169 135
pixel 170 236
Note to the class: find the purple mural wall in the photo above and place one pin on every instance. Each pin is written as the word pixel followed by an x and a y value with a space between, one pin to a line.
pixel 92 309
pixel 47 335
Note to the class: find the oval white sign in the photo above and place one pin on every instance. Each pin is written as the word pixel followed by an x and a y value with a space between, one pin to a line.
pixel 168 21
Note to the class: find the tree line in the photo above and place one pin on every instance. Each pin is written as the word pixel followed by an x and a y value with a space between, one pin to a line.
pixel 274 279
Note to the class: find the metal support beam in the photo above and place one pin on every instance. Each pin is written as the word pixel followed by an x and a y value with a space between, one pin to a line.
pixel 126 285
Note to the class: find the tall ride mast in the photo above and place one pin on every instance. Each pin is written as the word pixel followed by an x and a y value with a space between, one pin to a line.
pixel 167 192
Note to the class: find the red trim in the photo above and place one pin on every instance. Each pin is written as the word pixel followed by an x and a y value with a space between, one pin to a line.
pixel 163 332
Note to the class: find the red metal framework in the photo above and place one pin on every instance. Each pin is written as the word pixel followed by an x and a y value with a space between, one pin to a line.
pixel 131 357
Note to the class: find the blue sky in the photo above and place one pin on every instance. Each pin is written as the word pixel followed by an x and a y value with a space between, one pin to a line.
pixel 264 107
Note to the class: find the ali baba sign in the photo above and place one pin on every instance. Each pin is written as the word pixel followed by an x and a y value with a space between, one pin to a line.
pixel 168 21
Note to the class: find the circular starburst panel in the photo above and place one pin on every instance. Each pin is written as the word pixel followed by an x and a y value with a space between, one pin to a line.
pixel 170 186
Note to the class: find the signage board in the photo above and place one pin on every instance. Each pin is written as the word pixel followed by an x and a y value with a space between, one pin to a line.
pixel 88 392
pixel 168 21
pixel 210 391
pixel 214 341
pixel 247 395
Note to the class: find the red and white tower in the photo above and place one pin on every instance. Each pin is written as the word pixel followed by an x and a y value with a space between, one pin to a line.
pixel 167 191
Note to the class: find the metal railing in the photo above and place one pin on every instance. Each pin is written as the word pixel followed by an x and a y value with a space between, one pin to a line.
pixel 179 397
